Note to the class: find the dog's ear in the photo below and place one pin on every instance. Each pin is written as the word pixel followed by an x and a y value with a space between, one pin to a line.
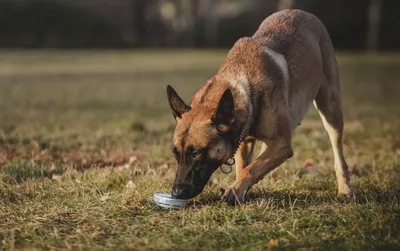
pixel 177 105
pixel 223 116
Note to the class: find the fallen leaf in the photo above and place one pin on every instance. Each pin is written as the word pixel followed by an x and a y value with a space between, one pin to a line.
pixel 57 178
pixel 130 185
pixel 310 169
pixel 35 145
pixel 272 243
pixel 307 163
pixel 52 167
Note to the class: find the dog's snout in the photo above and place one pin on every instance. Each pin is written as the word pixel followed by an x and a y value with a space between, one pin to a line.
pixel 182 192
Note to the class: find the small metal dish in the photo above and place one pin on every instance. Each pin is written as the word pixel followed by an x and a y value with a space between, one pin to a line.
pixel 167 201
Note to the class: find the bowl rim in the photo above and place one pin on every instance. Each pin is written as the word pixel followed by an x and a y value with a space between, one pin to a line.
pixel 166 199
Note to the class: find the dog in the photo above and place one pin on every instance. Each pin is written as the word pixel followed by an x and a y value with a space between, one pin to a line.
pixel 263 90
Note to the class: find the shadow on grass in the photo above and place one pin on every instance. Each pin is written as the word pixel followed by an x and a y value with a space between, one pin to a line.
pixel 368 194
pixel 306 198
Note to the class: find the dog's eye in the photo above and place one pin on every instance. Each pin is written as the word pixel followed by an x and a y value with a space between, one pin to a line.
pixel 196 155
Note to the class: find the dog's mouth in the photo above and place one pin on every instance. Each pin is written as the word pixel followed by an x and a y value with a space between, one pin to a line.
pixel 189 189
pixel 185 192
pixel 190 183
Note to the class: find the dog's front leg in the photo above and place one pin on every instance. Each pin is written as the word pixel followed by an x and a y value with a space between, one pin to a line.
pixel 244 154
pixel 278 150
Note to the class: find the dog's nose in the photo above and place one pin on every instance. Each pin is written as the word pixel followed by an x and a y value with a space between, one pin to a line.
pixel 181 192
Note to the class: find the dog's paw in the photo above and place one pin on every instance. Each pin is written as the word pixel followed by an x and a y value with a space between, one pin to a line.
pixel 234 194
pixel 346 191
pixel 232 197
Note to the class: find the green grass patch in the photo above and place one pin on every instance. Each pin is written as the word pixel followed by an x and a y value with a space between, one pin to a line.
pixel 85 141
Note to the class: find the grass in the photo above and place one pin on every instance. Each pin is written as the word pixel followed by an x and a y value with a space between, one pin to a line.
pixel 85 141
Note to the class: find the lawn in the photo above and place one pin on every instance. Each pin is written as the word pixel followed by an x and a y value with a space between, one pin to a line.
pixel 85 142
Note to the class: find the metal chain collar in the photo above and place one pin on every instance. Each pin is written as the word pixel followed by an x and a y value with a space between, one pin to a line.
pixel 231 161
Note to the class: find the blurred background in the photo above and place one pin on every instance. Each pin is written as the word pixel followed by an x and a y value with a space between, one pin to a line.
pixel 86 79
pixel 353 25
pixel 86 130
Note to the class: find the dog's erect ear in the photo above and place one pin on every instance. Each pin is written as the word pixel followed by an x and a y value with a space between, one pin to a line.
pixel 177 105
pixel 223 116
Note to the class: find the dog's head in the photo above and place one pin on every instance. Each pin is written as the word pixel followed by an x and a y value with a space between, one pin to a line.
pixel 202 139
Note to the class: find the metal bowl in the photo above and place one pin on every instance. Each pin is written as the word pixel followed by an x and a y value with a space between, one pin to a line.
pixel 166 201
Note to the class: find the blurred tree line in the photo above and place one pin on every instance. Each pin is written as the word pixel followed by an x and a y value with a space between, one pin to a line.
pixel 352 24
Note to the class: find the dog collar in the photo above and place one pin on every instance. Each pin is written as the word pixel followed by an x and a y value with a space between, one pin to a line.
pixel 231 161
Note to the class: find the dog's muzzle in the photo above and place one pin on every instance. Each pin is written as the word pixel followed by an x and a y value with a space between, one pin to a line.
pixel 184 191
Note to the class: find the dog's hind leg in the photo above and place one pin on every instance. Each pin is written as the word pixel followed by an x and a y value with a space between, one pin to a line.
pixel 328 104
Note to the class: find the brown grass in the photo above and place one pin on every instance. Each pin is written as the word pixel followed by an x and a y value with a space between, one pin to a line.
pixel 85 141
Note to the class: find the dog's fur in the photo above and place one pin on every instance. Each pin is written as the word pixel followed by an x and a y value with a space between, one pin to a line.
pixel 264 88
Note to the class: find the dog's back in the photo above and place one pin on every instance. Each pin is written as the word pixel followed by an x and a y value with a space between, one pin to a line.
pixel 290 50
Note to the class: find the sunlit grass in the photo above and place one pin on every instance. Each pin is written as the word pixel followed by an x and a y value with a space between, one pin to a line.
pixel 85 141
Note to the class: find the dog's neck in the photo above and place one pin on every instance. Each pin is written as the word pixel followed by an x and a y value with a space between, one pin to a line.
pixel 241 92
pixel 207 96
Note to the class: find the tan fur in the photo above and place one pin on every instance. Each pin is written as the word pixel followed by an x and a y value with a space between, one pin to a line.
pixel 274 76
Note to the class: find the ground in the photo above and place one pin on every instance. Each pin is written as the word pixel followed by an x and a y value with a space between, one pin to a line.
pixel 85 142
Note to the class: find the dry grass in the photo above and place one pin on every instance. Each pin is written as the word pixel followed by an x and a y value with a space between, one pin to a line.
pixel 85 142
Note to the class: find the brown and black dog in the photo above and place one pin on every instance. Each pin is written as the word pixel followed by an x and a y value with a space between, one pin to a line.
pixel 262 91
